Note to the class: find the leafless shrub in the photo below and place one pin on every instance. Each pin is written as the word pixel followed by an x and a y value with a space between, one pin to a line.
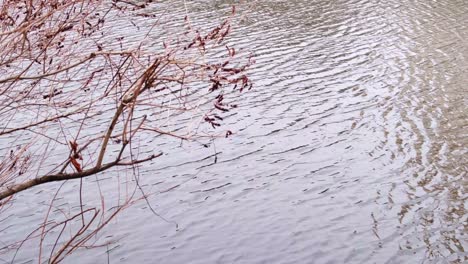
pixel 74 102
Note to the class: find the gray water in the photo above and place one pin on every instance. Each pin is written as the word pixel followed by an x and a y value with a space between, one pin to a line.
pixel 351 148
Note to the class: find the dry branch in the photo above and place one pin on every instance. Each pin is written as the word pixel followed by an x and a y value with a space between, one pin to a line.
pixel 75 103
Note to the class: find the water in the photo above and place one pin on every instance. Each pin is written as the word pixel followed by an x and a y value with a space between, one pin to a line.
pixel 352 148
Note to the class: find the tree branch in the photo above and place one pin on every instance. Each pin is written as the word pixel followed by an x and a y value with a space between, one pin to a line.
pixel 68 176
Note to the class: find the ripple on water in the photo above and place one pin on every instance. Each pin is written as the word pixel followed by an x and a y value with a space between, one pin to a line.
pixel 352 148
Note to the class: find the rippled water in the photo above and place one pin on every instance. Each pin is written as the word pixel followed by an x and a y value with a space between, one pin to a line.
pixel 352 148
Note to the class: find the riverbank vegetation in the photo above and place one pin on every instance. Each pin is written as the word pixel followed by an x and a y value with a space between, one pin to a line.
pixel 79 93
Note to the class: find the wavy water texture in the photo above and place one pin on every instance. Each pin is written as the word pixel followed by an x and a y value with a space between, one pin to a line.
pixel 352 148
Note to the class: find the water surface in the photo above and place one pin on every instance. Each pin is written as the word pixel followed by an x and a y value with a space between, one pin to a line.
pixel 352 148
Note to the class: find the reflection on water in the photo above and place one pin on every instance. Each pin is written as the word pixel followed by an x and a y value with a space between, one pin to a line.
pixel 351 149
